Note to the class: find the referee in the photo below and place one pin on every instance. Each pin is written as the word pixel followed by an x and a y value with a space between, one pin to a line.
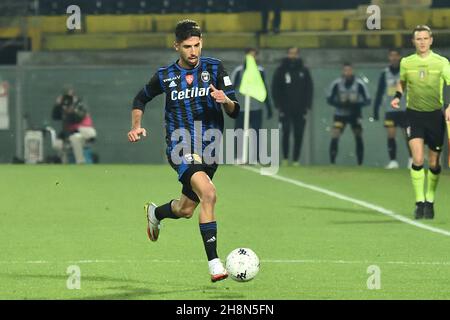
pixel 422 74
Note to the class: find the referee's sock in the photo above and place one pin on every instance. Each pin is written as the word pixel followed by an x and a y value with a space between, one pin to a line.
pixel 165 211
pixel 432 182
pixel 418 182
pixel 209 236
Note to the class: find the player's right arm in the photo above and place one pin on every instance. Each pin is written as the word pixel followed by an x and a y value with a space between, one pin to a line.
pixel 401 85
pixel 446 76
pixel 332 95
pixel 145 95
pixel 136 131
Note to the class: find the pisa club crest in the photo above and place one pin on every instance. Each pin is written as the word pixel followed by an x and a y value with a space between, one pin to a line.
pixel 205 76
pixel 189 78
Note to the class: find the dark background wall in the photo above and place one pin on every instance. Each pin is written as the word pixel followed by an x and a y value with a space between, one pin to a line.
pixel 108 81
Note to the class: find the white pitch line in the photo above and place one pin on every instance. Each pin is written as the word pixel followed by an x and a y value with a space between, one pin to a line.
pixel 361 203
pixel 276 261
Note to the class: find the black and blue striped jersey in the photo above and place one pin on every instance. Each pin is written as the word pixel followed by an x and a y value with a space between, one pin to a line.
pixel 188 99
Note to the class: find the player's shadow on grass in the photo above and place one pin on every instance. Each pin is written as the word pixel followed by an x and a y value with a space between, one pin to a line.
pixel 127 292
pixel 131 293
pixel 64 278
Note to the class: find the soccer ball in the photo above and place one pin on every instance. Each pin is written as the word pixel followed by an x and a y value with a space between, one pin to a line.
pixel 242 264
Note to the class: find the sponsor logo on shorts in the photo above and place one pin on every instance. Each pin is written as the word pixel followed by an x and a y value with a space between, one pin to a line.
pixel 193 157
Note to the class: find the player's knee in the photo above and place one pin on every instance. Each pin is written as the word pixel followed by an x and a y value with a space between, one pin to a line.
pixel 186 212
pixel 209 195
pixel 435 168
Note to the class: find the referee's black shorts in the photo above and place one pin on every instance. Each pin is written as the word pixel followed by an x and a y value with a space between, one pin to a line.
pixel 429 126
pixel 395 119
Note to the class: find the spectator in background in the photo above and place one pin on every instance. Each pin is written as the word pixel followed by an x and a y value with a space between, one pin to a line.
pixel 292 92
pixel 393 118
pixel 270 5
pixel 348 95
pixel 256 107
pixel 77 125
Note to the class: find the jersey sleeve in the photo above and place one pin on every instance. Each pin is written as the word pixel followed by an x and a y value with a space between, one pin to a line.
pixel 224 83
pixel 446 73
pixel 147 93
pixel 332 95
pixel 402 71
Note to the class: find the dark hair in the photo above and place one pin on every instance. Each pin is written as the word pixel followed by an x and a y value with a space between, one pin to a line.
pixel 422 27
pixel 248 50
pixel 395 50
pixel 186 29
pixel 347 64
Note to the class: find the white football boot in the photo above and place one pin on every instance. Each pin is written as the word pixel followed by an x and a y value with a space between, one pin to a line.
pixel 153 224
pixel 217 270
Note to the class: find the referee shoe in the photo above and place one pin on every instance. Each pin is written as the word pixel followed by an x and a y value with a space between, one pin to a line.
pixel 419 211
pixel 428 212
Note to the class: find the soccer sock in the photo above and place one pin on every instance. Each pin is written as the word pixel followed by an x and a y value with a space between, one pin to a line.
pixel 432 182
pixel 359 150
pixel 392 148
pixel 418 182
pixel 165 211
pixel 209 235
pixel 333 149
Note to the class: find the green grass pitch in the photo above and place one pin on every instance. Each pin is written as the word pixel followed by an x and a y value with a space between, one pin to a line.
pixel 311 245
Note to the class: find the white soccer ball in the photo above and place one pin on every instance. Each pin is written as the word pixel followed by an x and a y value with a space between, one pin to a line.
pixel 242 264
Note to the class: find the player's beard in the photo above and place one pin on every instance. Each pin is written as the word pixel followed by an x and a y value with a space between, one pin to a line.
pixel 191 61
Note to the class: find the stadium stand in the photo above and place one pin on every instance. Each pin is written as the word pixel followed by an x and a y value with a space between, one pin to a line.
pixel 120 24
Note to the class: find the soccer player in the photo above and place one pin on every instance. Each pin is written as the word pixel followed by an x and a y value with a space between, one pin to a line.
pixel 197 89
pixel 348 94
pixel 422 75
pixel 393 118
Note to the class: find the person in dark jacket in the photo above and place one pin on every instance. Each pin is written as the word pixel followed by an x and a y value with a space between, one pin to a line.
pixel 292 92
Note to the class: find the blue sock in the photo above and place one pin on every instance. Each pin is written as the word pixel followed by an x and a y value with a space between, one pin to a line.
pixel 209 235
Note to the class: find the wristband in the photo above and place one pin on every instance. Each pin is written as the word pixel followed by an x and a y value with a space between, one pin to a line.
pixel 398 94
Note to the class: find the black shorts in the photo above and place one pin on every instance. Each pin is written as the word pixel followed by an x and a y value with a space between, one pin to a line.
pixel 341 121
pixel 429 126
pixel 395 119
pixel 185 172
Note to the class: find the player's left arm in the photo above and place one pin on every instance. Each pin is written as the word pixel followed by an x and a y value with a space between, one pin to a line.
pixel 401 86
pixel 446 76
pixel 225 94
pixel 364 93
